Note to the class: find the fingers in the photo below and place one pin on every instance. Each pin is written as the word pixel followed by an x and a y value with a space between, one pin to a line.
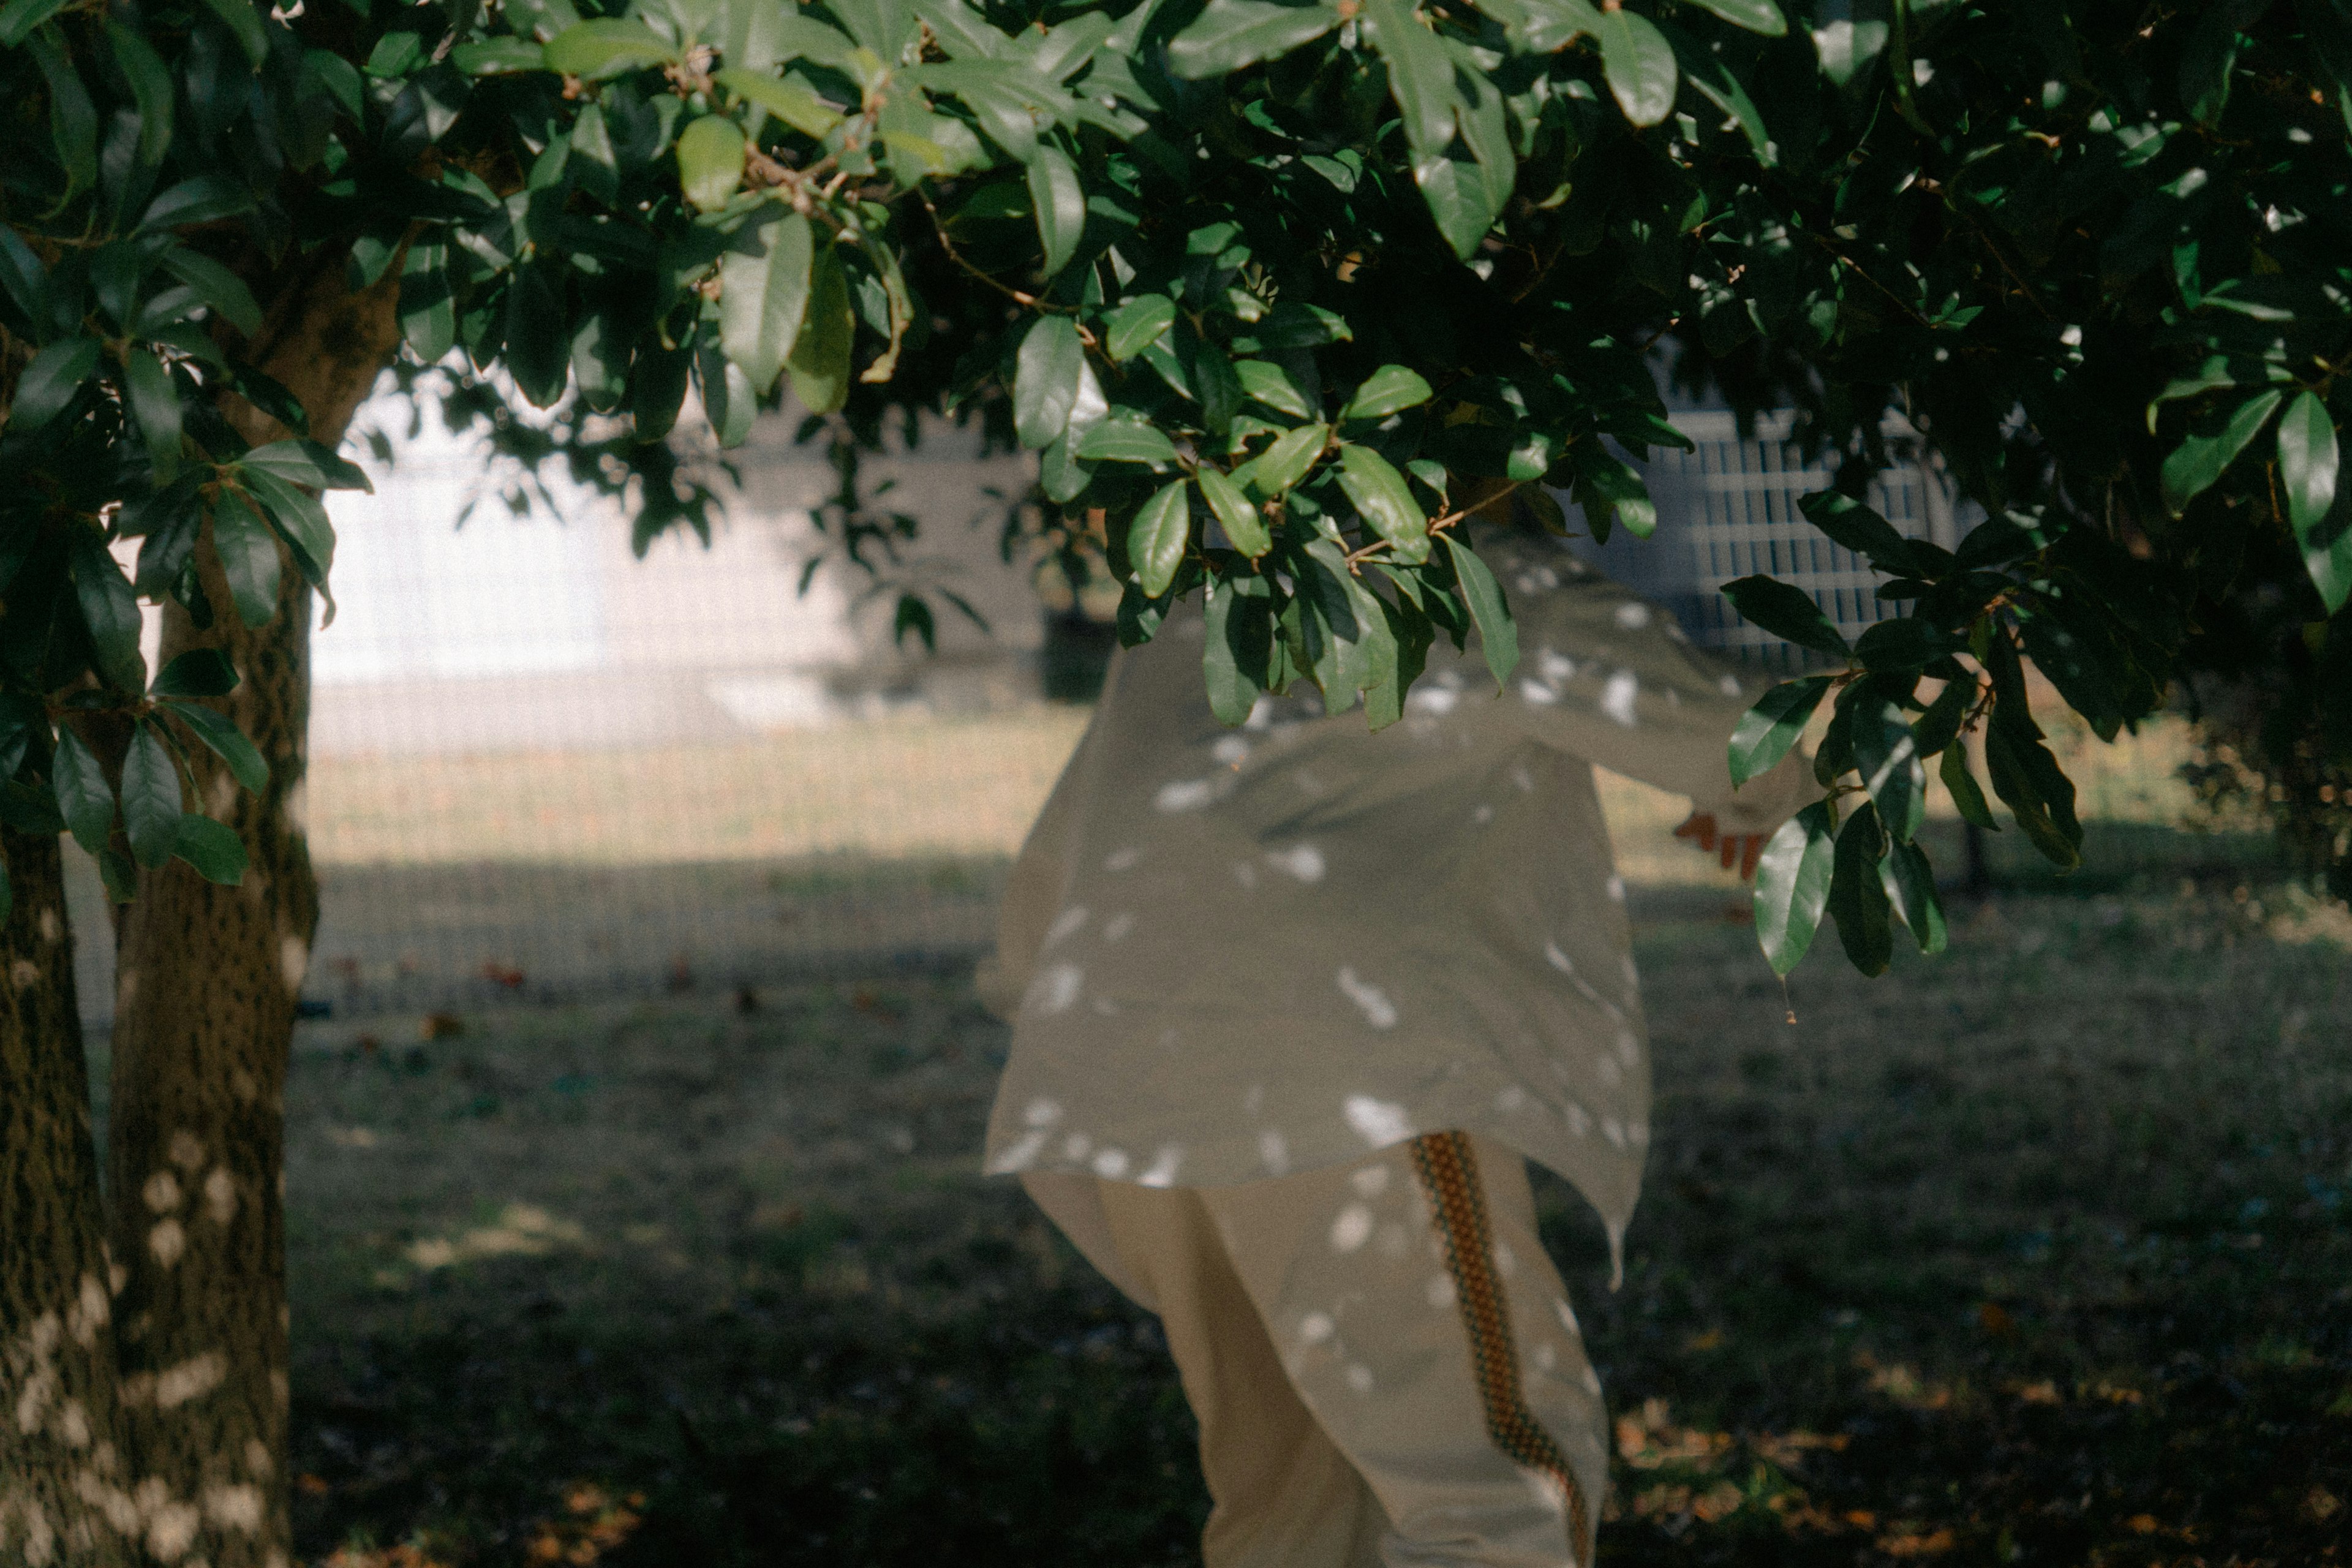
pixel 1731 851
pixel 1749 855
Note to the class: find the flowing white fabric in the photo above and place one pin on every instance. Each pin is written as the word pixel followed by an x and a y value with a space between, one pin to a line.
pixel 1233 955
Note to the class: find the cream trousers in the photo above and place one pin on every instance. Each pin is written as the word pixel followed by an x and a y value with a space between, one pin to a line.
pixel 1383 1361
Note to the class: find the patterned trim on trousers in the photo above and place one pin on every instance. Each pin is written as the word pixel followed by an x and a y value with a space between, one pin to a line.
pixel 1449 1173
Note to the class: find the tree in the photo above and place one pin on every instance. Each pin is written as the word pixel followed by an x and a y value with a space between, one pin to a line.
pixel 1279 293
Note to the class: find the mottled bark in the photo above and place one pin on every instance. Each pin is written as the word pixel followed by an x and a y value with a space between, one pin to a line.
pixel 64 1497
pixel 207 982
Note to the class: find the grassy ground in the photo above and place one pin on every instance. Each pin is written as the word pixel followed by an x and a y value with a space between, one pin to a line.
pixel 2034 1253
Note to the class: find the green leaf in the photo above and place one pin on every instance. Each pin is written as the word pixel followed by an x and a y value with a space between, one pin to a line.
pixel 220 734
pixel 1046 380
pixel 538 343
pixel 1060 203
pixel 199 672
pixel 1245 528
pixel 155 406
pixel 1271 385
pixel 1607 483
pixel 1967 797
pixel 2037 791
pixel 1126 441
pixel 657 389
pixel 1887 756
pixel 763 297
pixel 1232 692
pixel 73 118
pixel 301 521
pixel 1157 538
pixel 1498 635
pixel 22 275
pixel 303 462
pixel 428 312
pixel 212 848
pixel 1286 461
pixel 120 873
pixel 1767 732
pixel 83 799
pixel 1381 498
pixel 1639 65
pixel 607 46
pixel 498 57
pixel 249 554
pixel 110 609
pixel 151 89
pixel 819 360
pixel 1756 15
pixel 1137 324
pixel 789 101
pixel 1911 888
pixel 2307 462
pixel 1863 530
pixel 1787 613
pixel 710 160
pixel 244 19
pixel 52 381
pixel 151 796
pixel 1387 390
pixel 1857 898
pixel 20 17
pixel 2327 548
pixel 1792 887
pixel 2196 463
pixel 1230 33
pixel 219 288
pixel 207 198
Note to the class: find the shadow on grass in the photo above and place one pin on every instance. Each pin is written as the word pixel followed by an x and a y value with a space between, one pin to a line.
pixel 2034 1253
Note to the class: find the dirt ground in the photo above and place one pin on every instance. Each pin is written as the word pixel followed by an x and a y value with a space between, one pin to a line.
pixel 2037 1253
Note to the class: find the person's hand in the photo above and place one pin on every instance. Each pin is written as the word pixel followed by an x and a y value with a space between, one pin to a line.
pixel 1741 849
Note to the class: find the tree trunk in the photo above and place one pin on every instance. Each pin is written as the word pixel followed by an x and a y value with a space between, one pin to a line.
pixel 64 1497
pixel 206 980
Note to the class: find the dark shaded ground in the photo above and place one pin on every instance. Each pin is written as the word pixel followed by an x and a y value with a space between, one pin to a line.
pixel 2035 1253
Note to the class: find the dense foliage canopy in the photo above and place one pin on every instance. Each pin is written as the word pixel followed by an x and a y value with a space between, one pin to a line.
pixel 1278 293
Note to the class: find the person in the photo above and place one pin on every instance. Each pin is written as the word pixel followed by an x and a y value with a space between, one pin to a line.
pixel 1293 1005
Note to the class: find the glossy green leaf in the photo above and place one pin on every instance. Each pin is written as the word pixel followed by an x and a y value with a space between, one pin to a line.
pixel 303 462
pixel 2307 460
pixel 20 17
pixel 151 796
pixel 1756 15
pixel 1157 538
pixel 1271 385
pixel 155 406
pixel 1639 65
pixel 73 118
pixel 711 153
pixel 249 554
pixel 1059 203
pixel 199 672
pixel 764 298
pixel 1861 530
pixel 2197 462
pixel 151 89
pixel 498 57
pixel 219 288
pixel 1230 33
pixel 1857 899
pixel 428 312
pixel 1392 389
pixel 538 345
pixel 1767 731
pixel 1245 530
pixel 2327 548
pixel 300 521
pixel 207 198
pixel 1910 884
pixel 607 46
pixel 1887 756
pixel 224 740
pixel 1232 693
pixel 2035 789
pixel 1046 380
pixel 819 360
pixel 1137 324
pixel 83 798
pixel 1287 460
pixel 51 381
pixel 1126 441
pixel 1608 484
pixel 1792 887
pixel 789 101
pixel 1385 503
pixel 211 847
pixel 110 611
pixel 1786 612
pixel 244 19
pixel 1498 635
